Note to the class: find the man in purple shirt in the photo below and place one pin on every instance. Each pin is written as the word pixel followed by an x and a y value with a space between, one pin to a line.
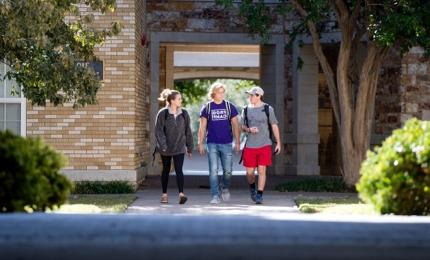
pixel 218 122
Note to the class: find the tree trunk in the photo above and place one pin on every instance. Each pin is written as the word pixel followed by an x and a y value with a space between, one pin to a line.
pixel 352 158
pixel 356 126
pixel 353 110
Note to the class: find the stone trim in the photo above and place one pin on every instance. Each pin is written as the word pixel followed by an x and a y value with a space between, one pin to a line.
pixel 134 176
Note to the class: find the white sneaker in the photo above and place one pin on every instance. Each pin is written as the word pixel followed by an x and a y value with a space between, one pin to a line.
pixel 225 195
pixel 215 200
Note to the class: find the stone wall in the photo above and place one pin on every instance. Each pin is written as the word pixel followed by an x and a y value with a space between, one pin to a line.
pixel 289 147
pixel 387 103
pixel 191 16
pixel 415 86
pixel 403 91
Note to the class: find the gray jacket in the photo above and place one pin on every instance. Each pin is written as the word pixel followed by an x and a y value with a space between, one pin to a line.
pixel 173 135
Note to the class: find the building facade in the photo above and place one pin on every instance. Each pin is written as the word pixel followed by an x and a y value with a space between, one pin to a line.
pixel 113 140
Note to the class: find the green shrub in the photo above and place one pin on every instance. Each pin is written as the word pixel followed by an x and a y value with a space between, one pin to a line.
pixel 97 187
pixel 30 178
pixel 395 178
pixel 315 184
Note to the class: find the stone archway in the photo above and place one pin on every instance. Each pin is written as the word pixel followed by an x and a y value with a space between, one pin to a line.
pixel 271 72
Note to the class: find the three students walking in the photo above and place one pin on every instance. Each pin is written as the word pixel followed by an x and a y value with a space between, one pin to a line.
pixel 219 125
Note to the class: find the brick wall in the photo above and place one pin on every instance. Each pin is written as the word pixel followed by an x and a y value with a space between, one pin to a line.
pixel 142 88
pixel 105 141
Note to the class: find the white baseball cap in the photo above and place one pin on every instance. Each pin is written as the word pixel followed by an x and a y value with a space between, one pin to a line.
pixel 255 90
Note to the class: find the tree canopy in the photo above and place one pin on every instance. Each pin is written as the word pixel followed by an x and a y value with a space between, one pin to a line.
pixel 403 23
pixel 368 30
pixel 42 41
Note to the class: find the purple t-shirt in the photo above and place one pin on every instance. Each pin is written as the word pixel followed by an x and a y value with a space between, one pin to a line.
pixel 219 127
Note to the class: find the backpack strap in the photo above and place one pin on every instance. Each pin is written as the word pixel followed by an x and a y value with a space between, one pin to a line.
pixel 184 116
pixel 228 108
pixel 266 110
pixel 208 109
pixel 245 118
pixel 184 112
pixel 166 114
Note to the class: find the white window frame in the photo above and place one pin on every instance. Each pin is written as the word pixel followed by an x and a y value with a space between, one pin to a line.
pixel 15 100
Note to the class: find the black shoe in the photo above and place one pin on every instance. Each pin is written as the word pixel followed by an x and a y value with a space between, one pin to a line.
pixel 253 194
pixel 258 199
pixel 182 199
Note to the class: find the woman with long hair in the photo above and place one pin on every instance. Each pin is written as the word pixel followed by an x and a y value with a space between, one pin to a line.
pixel 173 140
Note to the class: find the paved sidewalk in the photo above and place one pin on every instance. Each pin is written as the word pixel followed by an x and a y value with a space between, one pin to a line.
pixel 275 203
pixel 237 229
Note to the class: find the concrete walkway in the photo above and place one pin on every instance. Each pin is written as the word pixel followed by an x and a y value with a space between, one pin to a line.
pixel 198 165
pixel 275 203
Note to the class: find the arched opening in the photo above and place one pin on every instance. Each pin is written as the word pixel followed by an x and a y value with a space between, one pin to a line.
pixel 212 56
pixel 192 68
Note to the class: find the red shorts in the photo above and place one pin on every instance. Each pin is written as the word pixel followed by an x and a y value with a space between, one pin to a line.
pixel 261 156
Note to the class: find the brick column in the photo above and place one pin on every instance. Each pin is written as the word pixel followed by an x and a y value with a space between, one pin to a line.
pixel 107 141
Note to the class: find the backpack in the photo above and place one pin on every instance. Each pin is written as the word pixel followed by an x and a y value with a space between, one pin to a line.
pixel 266 110
pixel 166 114
pixel 245 120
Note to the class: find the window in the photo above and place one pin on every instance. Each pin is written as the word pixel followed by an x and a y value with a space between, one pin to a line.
pixel 12 106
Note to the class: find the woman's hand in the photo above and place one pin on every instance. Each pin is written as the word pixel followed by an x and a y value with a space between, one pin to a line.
pixel 201 149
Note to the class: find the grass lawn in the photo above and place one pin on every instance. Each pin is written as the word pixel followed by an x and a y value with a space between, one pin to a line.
pixel 344 205
pixel 97 203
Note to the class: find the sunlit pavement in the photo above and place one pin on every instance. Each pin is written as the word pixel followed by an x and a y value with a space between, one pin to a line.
pixel 276 204
pixel 234 230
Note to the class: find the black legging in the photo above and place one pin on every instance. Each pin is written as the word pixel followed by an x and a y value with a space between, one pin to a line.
pixel 178 162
